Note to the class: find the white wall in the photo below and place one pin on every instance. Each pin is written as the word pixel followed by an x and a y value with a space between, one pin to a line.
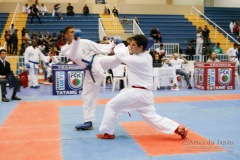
pixel 227 3
pixel 188 2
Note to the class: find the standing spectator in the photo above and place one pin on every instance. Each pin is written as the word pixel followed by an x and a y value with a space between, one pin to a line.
pixel 217 49
pixel 231 26
pixel 85 10
pixel 11 29
pixel 207 52
pixel 115 11
pixel 136 20
pixel 58 10
pixel 8 39
pixel 15 42
pixel 154 34
pixel 199 41
pixel 106 10
pixel 190 51
pixel 70 11
pixel 35 13
pixel 26 9
pixel 43 10
pixel 205 34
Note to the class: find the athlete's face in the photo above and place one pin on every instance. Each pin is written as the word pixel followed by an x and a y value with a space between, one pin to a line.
pixel 135 48
pixel 69 35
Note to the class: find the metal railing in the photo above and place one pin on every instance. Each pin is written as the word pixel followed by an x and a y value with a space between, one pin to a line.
pixel 194 9
pixel 169 48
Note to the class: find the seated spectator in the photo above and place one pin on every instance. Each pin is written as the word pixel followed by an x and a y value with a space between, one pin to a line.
pixel 115 11
pixel 176 63
pixel 70 11
pixel 52 60
pixel 60 42
pixel 104 40
pixel 43 10
pixel 5 69
pixel 85 10
pixel 106 10
pixel 26 9
pixel 178 49
pixel 217 49
pixel 207 52
pixel 190 51
pixel 157 62
pixel 213 58
pixel 160 51
pixel 125 20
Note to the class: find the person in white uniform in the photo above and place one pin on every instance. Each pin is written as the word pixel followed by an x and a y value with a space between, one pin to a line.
pixel 138 97
pixel 52 59
pixel 88 54
pixel 32 56
pixel 233 55
pixel 43 10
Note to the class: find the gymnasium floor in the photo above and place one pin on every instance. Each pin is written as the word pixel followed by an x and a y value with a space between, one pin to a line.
pixel 41 127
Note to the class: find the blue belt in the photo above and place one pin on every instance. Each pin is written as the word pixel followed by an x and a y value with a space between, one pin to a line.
pixel 89 67
pixel 34 62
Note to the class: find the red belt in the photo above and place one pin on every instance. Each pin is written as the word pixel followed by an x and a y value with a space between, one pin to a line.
pixel 139 87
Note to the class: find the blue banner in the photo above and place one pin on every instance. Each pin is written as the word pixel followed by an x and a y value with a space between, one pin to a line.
pixel 67 79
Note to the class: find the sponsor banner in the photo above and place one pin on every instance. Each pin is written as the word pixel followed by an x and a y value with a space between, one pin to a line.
pixel 67 79
pixel 211 77
pixel 214 76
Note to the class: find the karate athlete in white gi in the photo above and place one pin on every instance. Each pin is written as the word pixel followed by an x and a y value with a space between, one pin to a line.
pixel 87 53
pixel 52 60
pixel 138 97
pixel 32 55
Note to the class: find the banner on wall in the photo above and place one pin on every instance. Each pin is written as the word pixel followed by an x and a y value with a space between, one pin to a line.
pixel 67 79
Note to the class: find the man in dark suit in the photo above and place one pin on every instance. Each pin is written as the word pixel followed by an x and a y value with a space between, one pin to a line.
pixel 5 69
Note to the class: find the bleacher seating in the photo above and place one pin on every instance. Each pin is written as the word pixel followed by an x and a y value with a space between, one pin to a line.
pixel 3 19
pixel 174 28
pixel 223 16
pixel 88 24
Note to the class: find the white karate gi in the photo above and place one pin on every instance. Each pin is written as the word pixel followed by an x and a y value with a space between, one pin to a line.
pixel 139 69
pixel 233 52
pixel 86 49
pixel 32 56
pixel 199 42
pixel 49 67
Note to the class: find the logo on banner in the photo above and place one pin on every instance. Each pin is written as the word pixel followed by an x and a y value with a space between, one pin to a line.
pixel 60 80
pixel 75 79
pixel 211 77
pixel 201 76
pixel 224 76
